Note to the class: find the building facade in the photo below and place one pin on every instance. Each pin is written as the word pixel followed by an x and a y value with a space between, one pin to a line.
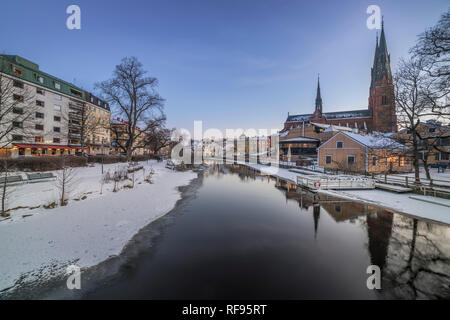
pixel 98 120
pixel 48 114
pixel 119 136
pixel 380 114
pixel 348 151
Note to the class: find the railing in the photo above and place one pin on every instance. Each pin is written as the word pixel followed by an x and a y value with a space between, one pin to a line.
pixel 410 181
pixel 335 182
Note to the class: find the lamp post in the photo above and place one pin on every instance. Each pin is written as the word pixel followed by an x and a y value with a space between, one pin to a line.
pixel 103 151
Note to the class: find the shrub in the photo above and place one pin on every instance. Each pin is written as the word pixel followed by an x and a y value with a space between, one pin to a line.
pixel 44 163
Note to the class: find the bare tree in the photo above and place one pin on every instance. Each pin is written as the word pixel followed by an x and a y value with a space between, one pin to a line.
pixel 5 189
pixel 413 107
pixel 433 47
pixel 17 110
pixel 157 135
pixel 133 96
pixel 65 180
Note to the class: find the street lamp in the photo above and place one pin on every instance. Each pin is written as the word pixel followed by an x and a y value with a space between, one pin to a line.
pixel 103 152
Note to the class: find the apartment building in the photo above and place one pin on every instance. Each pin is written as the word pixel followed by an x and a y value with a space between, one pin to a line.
pixel 119 136
pixel 98 117
pixel 48 113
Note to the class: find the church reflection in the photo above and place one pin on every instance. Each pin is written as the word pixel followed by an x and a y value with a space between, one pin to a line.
pixel 413 255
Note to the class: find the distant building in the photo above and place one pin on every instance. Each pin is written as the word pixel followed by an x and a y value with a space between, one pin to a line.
pixel 350 151
pixel 435 141
pixel 119 136
pixel 380 115
pixel 98 117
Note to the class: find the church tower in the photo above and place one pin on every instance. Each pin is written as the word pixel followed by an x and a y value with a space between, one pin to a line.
pixel 381 98
pixel 318 110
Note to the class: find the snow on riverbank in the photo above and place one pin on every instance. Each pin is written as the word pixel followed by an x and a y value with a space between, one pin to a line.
pixel 85 231
pixel 401 203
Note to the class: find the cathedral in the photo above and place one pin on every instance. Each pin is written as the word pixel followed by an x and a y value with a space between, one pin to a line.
pixel 379 116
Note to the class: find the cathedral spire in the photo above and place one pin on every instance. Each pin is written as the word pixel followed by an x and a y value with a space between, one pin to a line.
pixel 381 63
pixel 318 97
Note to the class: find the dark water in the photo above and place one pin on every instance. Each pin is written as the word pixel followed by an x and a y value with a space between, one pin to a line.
pixel 245 236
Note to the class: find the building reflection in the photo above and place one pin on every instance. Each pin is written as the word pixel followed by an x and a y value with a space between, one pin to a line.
pixel 413 255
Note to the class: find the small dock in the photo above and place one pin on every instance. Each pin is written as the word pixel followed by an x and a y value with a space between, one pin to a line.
pixel 390 187
pixel 335 182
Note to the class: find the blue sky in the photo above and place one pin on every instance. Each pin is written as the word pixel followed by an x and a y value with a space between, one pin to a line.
pixel 229 63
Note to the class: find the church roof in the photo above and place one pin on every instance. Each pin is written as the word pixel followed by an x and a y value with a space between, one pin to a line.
pixel 351 114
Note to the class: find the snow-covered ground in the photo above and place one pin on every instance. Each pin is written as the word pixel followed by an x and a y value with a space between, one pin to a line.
pixel 398 202
pixel 92 227
pixel 433 173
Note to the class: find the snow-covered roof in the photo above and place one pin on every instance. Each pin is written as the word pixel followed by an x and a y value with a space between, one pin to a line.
pixel 376 141
pixel 330 127
pixel 300 139
pixel 351 114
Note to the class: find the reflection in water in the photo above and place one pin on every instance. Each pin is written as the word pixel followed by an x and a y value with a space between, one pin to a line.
pixel 249 236
pixel 413 255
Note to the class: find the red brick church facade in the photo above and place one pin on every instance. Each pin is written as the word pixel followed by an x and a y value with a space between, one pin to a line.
pixel 380 115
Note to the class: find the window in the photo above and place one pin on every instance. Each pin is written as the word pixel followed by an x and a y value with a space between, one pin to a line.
pixel 328 159
pixel 57 108
pixel 39 127
pixel 40 79
pixel 18 84
pixel 57 86
pixel 374 161
pixel 58 97
pixel 56 140
pixel 56 129
pixel 337 209
pixel 16 137
pixel 40 103
pixel 17 124
pixel 40 91
pixel 432 130
pixel 384 100
pixel 39 115
pixel 445 155
pixel 38 139
pixel 339 144
pixel 56 118
pixel 18 98
pixel 351 160
pixel 18 110
pixel 402 161
pixel 17 71
pixel 76 92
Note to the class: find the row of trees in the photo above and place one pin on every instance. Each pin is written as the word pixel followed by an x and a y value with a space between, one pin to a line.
pixel 422 88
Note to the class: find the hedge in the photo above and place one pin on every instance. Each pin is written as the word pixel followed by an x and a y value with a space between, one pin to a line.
pixel 43 163
pixel 48 163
